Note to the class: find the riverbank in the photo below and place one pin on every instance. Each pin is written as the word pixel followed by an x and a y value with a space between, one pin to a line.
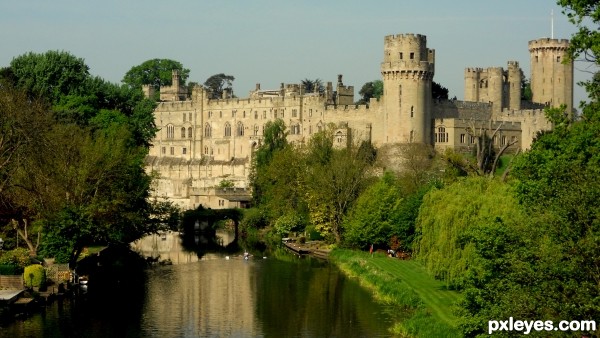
pixel 405 283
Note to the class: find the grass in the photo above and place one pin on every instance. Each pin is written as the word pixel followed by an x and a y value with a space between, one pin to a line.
pixel 406 284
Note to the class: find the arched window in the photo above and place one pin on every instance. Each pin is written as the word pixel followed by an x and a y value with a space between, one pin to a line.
pixel 339 137
pixel 170 131
pixel 190 132
pixel 227 129
pixel 240 129
pixel 441 136
pixel 182 132
pixel 207 130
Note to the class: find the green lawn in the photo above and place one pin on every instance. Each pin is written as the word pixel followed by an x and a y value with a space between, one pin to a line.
pixel 405 283
pixel 431 291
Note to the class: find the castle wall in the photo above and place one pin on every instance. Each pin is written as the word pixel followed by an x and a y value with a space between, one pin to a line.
pixel 202 142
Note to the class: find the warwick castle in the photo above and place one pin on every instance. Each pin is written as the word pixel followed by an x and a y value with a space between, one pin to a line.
pixel 203 141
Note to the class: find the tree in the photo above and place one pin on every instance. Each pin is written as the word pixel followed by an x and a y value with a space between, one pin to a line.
pixel 156 73
pixel 332 188
pixel 50 75
pixel 218 83
pixel 312 86
pixel 372 89
pixel 438 92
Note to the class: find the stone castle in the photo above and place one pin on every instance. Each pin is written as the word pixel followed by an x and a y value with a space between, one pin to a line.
pixel 203 141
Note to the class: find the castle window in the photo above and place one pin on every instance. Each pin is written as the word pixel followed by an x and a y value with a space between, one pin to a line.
pixel 283 114
pixel 170 131
pixel 240 129
pixel 503 140
pixel 244 114
pixel 401 55
pixel 275 114
pixel 294 112
pixel 190 117
pixel 412 55
pixel 471 139
pixel 172 150
pixel 163 150
pixel 256 129
pixel 205 150
pixel 339 137
pixel 207 130
pixel 220 114
pixel 441 135
pixel 536 58
pixel 558 58
pixel 412 111
pixel 184 116
pixel 227 129
pixel 296 129
pixel 233 113
pixel 264 114
pixel 209 114
pixel 255 115
pixel 462 138
pixel 310 130
pixel 190 132
pixel 310 113
pixel 184 151
pixel 182 132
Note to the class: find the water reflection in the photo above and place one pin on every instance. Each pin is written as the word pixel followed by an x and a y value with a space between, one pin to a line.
pixel 206 295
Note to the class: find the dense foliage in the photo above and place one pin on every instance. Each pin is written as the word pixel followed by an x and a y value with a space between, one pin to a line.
pixel 72 152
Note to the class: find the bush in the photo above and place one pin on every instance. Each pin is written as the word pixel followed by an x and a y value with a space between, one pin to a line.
pixel 10 269
pixel 289 223
pixel 34 275
pixel 18 257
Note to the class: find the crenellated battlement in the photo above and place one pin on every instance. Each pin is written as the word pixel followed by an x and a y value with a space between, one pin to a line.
pixel 545 43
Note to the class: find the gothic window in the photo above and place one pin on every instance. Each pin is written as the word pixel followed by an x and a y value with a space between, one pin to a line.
pixel 190 132
pixel 227 129
pixel 170 131
pixel 207 130
pixel 441 135
pixel 240 129
pixel 182 132
pixel 256 129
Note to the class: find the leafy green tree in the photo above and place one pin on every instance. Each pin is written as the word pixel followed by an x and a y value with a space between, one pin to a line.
pixel 371 89
pixel 332 188
pixel 156 73
pixel 439 92
pixel 218 83
pixel 311 86
pixel 374 215
pixel 50 75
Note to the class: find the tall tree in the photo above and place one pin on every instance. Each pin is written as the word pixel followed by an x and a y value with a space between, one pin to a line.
pixel 155 72
pixel 311 86
pixel 50 75
pixel 372 89
pixel 218 83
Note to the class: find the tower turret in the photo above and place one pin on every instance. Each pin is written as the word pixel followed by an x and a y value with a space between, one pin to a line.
pixel 407 69
pixel 514 80
pixel 551 77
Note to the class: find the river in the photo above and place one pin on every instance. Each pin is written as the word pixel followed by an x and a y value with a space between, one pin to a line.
pixel 219 295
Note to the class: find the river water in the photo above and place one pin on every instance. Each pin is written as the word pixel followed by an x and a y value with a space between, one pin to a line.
pixel 219 295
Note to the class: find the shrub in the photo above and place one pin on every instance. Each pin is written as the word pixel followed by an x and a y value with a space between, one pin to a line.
pixel 10 269
pixel 18 257
pixel 34 275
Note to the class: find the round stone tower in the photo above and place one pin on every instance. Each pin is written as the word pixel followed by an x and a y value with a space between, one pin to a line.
pixel 407 70
pixel 551 77
pixel 472 78
pixel 514 85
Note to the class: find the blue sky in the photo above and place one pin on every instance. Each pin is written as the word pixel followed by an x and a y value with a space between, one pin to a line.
pixel 270 42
